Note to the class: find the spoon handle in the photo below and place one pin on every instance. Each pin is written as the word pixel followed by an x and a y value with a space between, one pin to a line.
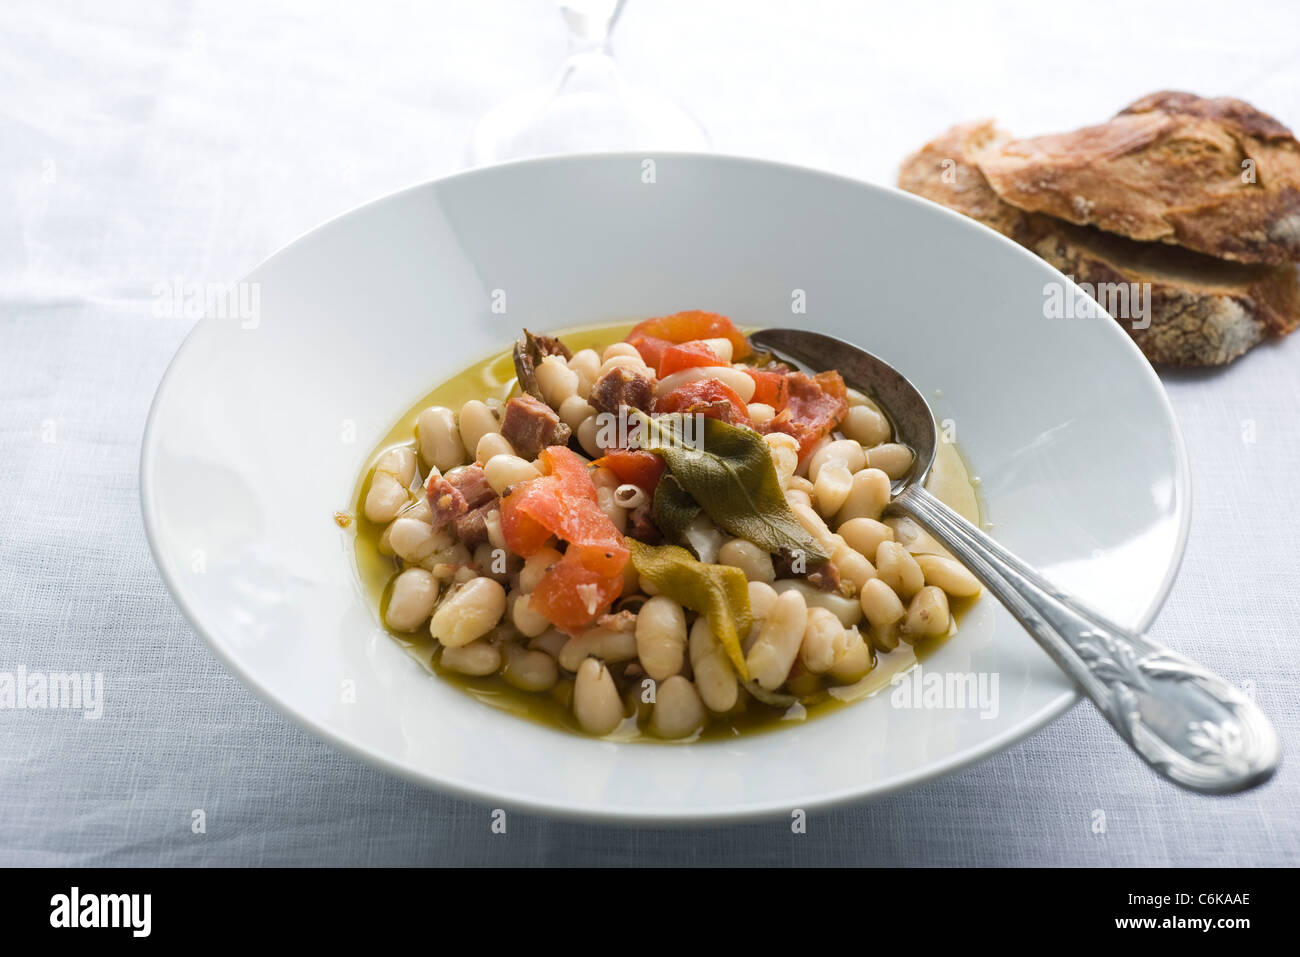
pixel 1187 723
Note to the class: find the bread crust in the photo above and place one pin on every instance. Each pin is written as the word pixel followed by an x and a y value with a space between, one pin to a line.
pixel 1203 311
pixel 1213 175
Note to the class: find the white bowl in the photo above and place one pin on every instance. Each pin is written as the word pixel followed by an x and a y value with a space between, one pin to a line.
pixel 263 421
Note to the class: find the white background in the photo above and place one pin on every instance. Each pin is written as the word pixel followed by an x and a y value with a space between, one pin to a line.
pixel 144 143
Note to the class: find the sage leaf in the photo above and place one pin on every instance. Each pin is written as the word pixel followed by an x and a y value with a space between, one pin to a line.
pixel 728 471
pixel 672 509
pixel 718 592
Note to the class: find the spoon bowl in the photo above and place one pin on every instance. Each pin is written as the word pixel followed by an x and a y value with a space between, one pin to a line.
pixel 901 401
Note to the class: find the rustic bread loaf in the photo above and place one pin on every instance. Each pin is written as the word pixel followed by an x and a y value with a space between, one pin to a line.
pixel 1213 175
pixel 1201 310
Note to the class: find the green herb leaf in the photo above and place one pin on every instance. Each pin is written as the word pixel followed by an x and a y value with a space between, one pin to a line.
pixel 718 592
pixel 673 509
pixel 729 472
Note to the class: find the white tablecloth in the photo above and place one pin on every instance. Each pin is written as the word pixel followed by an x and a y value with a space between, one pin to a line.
pixel 145 143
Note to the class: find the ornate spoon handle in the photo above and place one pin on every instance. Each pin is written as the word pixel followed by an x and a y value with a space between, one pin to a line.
pixel 1187 723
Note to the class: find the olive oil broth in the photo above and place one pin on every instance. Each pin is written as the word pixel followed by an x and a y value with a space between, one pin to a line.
pixel 949 480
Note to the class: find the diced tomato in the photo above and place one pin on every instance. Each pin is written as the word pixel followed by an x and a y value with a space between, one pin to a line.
pixel 770 387
pixel 814 407
pixel 708 397
pixel 685 326
pixel 524 534
pixel 687 355
pixel 562 503
pixel 638 467
pixel 571 595
pixel 651 347
pixel 571 470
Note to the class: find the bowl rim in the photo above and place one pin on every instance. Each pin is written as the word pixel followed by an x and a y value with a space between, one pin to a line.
pixel 665 815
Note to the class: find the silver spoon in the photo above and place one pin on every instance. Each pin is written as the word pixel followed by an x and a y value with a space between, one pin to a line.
pixel 1187 723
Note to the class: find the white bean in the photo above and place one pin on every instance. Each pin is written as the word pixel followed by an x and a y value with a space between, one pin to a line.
pixel 762 597
pixel 440 444
pixel 831 488
pixel 853 658
pixel 476 420
pixel 556 380
pixel 602 643
pixel 722 347
pixel 785 455
pixel 596 703
pixel 503 471
pixel 891 458
pixel 605 498
pixel 661 637
pixel 755 562
pixel 885 637
pixel 492 522
pixel 478 658
pixel 868 496
pixel 760 413
pixel 444 563
pixel 770 659
pixel 585 362
pixel 529 670
pixel 551 641
pixel 574 411
pixel 491 445
pixel 798 483
pixel 530 623
pixel 389 487
pixel 715 678
pixel 589 436
pixel 949 575
pixel 418 509
pixel 898 569
pixel 866 425
pixel 400 461
pixel 678 711
pixel 619 349
pixel 853 565
pixel 469 612
pixel 635 363
pixel 880 604
pixel 411 600
pixel 535 567
pixel 927 615
pixel 735 380
pixel 413 540
pixel 815 526
pixel 865 534
pixel 846 609
pixel 845 451
pixel 817 649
